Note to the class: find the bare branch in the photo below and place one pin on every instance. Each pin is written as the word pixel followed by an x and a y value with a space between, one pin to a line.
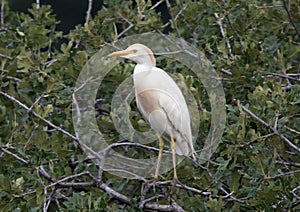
pixel 127 29
pixel 288 163
pixel 38 116
pixel 38 8
pixel 36 101
pixel 294 192
pixel 179 13
pixel 89 10
pixel 2 13
pixel 284 76
pixel 286 140
pixel 292 130
pixel 156 5
pixel 49 63
pixel 282 174
pixel 286 6
pixel 85 173
pixel 219 22
pixel 13 155
pixel 24 194
pixel 5 56
pixel 226 71
pixel 31 135
pixel 174 22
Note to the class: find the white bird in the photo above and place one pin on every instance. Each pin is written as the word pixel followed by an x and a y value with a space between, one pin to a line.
pixel 161 103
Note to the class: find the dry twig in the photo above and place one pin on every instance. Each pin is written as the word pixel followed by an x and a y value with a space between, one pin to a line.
pixel 38 7
pixel 287 7
pixel 220 24
pixel 89 10
pixel 275 131
pixel 2 14
pixel 13 155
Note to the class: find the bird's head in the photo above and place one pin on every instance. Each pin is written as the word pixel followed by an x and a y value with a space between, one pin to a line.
pixel 138 53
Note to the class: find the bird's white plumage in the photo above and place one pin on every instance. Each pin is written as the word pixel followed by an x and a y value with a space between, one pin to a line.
pixel 171 117
pixel 159 99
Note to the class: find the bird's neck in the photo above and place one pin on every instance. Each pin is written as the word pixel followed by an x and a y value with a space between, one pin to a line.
pixel 139 68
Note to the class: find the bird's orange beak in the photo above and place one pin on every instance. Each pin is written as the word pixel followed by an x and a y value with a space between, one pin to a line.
pixel 122 53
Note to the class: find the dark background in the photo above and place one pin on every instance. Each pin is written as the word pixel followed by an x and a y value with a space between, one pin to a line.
pixel 72 12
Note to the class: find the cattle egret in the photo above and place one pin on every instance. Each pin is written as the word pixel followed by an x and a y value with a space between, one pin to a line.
pixel 161 103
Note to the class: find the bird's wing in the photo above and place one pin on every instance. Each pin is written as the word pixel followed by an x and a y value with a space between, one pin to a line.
pixel 177 114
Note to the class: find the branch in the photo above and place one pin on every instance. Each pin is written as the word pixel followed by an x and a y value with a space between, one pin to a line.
pixel 219 22
pixel 38 116
pixel 127 29
pixel 2 14
pixel 284 76
pixel 288 163
pixel 294 192
pixel 156 5
pixel 286 6
pixel 228 195
pixel 13 155
pixel 174 22
pixel 89 10
pixel 282 174
pixel 38 8
pixel 292 130
pixel 286 140
pixel 3 55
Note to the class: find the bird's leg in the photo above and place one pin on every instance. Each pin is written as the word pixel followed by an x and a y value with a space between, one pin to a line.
pixel 174 159
pixel 161 147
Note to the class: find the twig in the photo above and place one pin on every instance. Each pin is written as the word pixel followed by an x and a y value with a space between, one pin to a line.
pixel 288 163
pixel 127 29
pixel 226 71
pixel 89 10
pixel 292 130
pixel 49 63
pixel 185 187
pixel 5 56
pixel 233 28
pixel 294 192
pixel 31 135
pixel 286 6
pixel 13 155
pixel 42 172
pixel 228 195
pixel 282 174
pixel 156 5
pixel 132 144
pixel 174 23
pixel 219 22
pixel 284 76
pixel 114 193
pixel 155 197
pixel 39 116
pixel 18 80
pixel 47 202
pixel 286 140
pixel 86 173
pixel 36 101
pixel 173 204
pixel 2 13
pixel 24 194
pixel 38 8
pixel 179 13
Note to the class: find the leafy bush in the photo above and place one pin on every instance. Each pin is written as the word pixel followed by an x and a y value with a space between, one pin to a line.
pixel 254 46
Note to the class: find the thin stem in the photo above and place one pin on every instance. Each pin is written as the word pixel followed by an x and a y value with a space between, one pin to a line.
pixel 2 13
pixel 89 10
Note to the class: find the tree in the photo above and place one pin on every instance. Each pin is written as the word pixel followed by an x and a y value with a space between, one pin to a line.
pixel 254 47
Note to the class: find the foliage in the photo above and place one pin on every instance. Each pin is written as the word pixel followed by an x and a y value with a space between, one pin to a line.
pixel 254 46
